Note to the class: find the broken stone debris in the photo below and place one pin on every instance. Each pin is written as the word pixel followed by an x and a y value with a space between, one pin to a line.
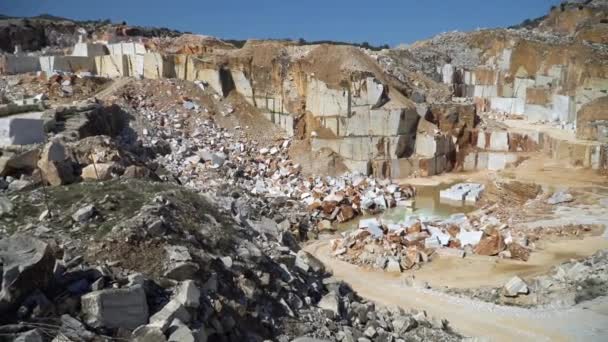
pixel 116 308
pixel 560 197
pixel 415 240
pixel 462 192
pixel 515 287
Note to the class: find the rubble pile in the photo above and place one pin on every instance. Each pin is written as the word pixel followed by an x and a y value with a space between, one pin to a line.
pixel 202 155
pixel 566 285
pixel 408 244
pixel 62 87
pixel 467 192
pixel 138 260
pixel 342 198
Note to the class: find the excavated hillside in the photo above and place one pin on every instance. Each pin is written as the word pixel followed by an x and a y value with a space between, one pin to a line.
pixel 36 33
pixel 166 186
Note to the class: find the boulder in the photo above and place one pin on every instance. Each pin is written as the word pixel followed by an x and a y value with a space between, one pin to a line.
pixel 172 310
pixel 346 213
pixel 514 287
pixel 116 308
pixel 330 304
pixel 403 324
pixel 519 252
pixel 29 336
pixel 182 334
pixel 148 333
pixel 469 238
pixel 6 206
pixel 491 245
pixel 188 294
pixel 98 171
pixel 21 161
pixel 136 171
pixel 560 197
pixel 19 185
pixel 306 261
pixel 27 264
pixel 181 270
pixel 83 214
pixel 74 330
pixel 54 164
pixel 393 265
pixel 180 266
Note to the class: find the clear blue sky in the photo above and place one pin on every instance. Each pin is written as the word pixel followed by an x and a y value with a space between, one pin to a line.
pixel 378 22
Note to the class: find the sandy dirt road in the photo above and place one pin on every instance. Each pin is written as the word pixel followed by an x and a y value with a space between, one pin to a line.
pixel 584 322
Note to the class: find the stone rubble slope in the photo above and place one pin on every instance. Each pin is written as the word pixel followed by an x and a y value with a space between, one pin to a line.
pixel 566 285
pixel 216 276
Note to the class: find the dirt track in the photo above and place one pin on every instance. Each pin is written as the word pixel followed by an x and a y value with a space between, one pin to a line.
pixel 584 322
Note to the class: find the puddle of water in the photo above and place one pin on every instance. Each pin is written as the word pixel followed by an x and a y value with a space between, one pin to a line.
pixel 427 204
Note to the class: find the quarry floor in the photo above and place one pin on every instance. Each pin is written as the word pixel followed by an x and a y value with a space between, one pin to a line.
pixel 586 321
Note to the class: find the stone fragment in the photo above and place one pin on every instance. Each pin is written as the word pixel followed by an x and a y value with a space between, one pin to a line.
pixel 514 287
pixel 136 171
pixel 116 308
pixel 29 336
pixel 84 214
pixel 491 245
pixel 19 185
pixel 330 304
pixel 27 264
pixel 182 270
pixel 469 238
pixel 182 334
pixel 188 294
pixel 403 324
pixel 373 226
pixel 180 266
pixel 450 252
pixel 54 164
pixel 172 310
pixel 346 213
pixel 393 265
pixel 98 171
pixel 306 261
pixel 560 197
pixel 6 206
pixel 519 252
pixel 324 225
pixel 74 329
pixel 148 333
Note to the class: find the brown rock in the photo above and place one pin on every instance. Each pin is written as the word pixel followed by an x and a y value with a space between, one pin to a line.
pixel 346 213
pixel 329 207
pixel 413 255
pixel 394 238
pixel 324 225
pixel 415 228
pixel 362 234
pixel 491 244
pixel 98 171
pixel 519 252
pixel 315 205
pixel 136 171
pixel 55 167
pixel 454 243
pixel 453 230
